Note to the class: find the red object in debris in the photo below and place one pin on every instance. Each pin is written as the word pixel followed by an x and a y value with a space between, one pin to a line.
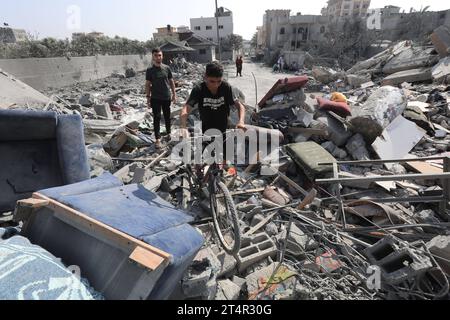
pixel 340 108
pixel 117 108
pixel 232 171
pixel 328 262
pixel 284 86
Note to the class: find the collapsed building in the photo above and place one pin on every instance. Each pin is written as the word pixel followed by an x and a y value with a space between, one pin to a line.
pixel 371 144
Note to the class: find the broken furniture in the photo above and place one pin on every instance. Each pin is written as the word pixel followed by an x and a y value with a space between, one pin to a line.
pixel 308 156
pixel 443 200
pixel 283 86
pixel 39 150
pixel 128 242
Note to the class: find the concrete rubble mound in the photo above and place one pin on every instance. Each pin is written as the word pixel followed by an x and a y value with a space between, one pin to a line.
pixel 372 144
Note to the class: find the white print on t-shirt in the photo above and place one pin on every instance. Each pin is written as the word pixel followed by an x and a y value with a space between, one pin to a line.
pixel 214 104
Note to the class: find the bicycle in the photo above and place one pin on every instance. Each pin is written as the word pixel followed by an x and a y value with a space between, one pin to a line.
pixel 223 208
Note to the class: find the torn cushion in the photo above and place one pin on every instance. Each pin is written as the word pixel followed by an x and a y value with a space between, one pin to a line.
pixel 340 108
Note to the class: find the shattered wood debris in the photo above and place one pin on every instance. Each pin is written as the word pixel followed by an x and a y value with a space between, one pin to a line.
pixel 333 123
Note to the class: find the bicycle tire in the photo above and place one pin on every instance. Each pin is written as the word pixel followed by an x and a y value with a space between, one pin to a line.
pixel 232 214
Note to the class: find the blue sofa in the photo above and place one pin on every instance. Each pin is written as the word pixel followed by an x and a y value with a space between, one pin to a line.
pixel 39 150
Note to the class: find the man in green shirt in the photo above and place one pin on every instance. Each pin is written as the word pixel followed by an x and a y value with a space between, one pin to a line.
pixel 158 87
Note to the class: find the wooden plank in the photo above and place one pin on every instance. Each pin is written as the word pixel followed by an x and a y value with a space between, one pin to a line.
pixel 292 183
pixel 424 167
pixel 101 229
pixel 238 193
pixel 24 208
pixel 158 159
pixel 146 258
pixel 33 203
pixel 261 224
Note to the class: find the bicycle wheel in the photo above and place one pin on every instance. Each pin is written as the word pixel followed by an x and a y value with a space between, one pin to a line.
pixel 225 218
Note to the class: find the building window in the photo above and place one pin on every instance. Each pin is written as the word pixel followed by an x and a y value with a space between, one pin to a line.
pixel 220 27
pixel 293 44
pixel 197 28
pixel 301 30
pixel 282 31
pixel 202 51
pixel 208 27
pixel 299 44
pixel 322 29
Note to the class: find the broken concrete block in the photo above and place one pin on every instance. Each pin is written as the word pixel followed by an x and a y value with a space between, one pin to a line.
pixel 356 80
pixel 130 73
pixel 228 264
pixel 99 160
pixel 272 229
pixel 325 75
pixel 440 248
pixel 441 40
pixel 104 110
pixel 304 118
pixel 440 134
pixel 200 279
pixel 377 113
pixel 337 133
pixel 397 260
pixel 409 76
pixel 255 249
pixel 227 290
pixel 427 217
pixel 356 146
pixel 239 281
pixel 298 243
pixel 441 71
pixel 196 284
pixel 411 58
pixel 87 100
pixel 334 150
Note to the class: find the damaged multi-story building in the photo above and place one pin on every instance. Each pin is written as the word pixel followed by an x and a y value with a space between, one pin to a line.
pixel 294 34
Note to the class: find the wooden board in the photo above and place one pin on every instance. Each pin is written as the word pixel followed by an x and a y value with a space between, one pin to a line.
pixel 153 257
pixel 424 167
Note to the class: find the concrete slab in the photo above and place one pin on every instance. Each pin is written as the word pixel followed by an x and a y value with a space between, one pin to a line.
pixel 411 58
pixel 413 75
pixel 442 70
pixel 15 93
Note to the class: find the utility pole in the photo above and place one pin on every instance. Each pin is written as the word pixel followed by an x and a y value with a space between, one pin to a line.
pixel 218 34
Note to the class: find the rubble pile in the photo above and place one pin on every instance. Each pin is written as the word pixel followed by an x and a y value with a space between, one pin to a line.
pixel 350 242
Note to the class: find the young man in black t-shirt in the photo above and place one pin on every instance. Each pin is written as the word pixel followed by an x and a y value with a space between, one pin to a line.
pixel 214 98
pixel 158 86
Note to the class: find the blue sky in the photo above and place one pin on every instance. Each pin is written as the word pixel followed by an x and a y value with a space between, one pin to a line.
pixel 137 19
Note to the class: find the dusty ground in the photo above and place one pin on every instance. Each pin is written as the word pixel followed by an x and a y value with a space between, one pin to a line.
pixel 265 79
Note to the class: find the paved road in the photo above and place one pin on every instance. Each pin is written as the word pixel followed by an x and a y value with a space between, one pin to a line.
pixel 265 80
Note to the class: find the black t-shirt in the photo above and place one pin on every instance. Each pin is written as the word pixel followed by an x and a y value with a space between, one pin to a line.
pixel 159 77
pixel 214 109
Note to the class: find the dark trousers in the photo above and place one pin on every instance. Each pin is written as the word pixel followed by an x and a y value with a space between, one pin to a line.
pixel 238 71
pixel 157 106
